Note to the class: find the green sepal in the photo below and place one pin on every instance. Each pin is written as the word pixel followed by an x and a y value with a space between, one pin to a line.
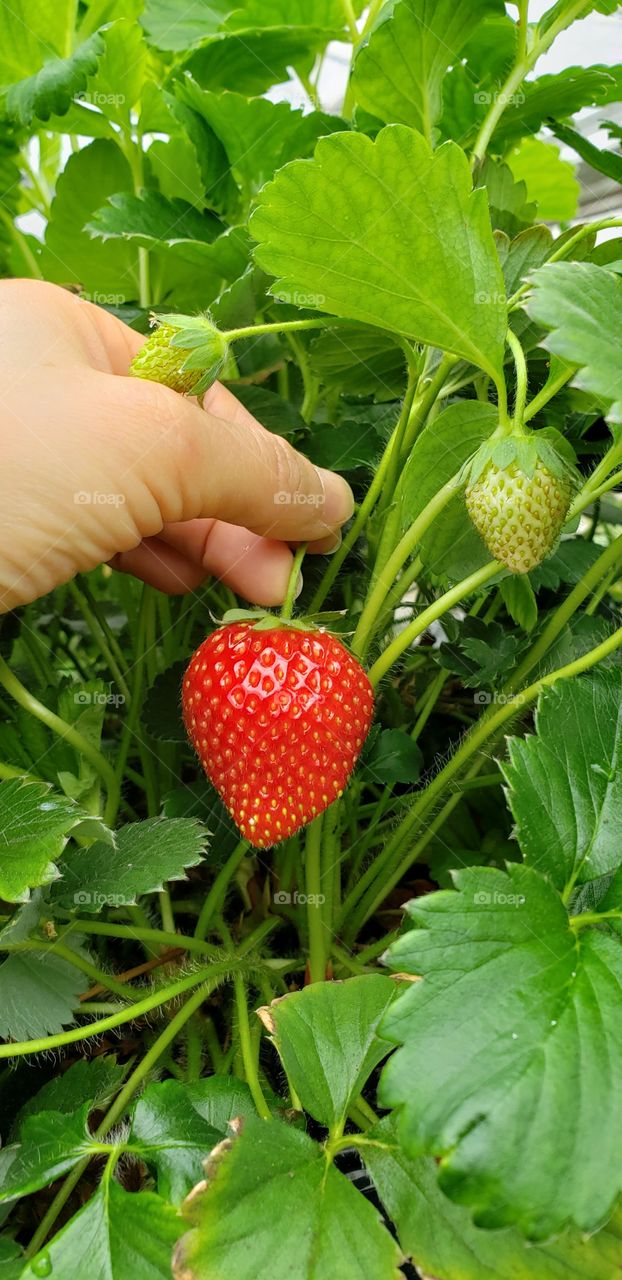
pixel 526 449
pixel 263 621
pixel 207 347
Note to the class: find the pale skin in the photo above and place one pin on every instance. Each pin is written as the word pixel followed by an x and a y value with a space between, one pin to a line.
pixel 100 467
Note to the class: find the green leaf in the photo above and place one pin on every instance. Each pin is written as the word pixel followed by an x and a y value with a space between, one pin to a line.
pixel 529 249
pixel 398 75
pixel 11 1259
pixel 481 653
pixel 51 89
pixel 604 161
pixel 512 1037
pixel 326 1037
pixel 118 82
pixel 274 1175
pixel 176 1125
pixel 169 27
pixel 451 546
pixel 389 234
pixel 154 221
pixel 520 601
pixel 581 304
pixel 573 558
pixel 442 1240
pixel 162 708
pixel 565 10
pixel 34 825
pixel 147 855
pixel 38 995
pixel 116 1235
pixel 550 181
pixel 70 255
pixel 343 448
pixel 52 1143
pixel 258 136
pixel 25 45
pixel 92 1080
pixel 274 413
pixel 557 96
pixel 565 785
pixel 394 758
pixel 510 210
pixel 359 361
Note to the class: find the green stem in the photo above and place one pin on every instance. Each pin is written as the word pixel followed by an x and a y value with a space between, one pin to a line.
pixel 432 696
pixel 136 1010
pixel 521 378
pixel 100 637
pixel 427 396
pixel 350 17
pixel 160 937
pixel 405 639
pixel 593 917
pixel 68 732
pixel 400 432
pixel 292 586
pixel 549 390
pixel 216 896
pixel 525 61
pixel 389 870
pixel 22 244
pixel 313 879
pixel 118 1108
pixel 248 1057
pixel 287 326
pixel 74 958
pixel 590 580
pixel 389 572
pixel 358 524
pixel 558 256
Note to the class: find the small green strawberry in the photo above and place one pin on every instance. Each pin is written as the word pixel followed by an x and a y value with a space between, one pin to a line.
pixel 186 353
pixel 518 493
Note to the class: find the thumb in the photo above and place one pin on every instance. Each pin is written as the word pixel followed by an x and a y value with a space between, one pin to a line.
pixel 195 462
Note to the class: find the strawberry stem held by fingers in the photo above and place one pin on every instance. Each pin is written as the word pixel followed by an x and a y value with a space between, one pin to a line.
pixel 278 714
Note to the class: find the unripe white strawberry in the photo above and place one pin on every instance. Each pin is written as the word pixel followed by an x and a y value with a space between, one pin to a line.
pixel 518 493
pixel 186 353
pixel 520 518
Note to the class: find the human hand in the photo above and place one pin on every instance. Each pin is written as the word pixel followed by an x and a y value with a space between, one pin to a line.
pixel 97 466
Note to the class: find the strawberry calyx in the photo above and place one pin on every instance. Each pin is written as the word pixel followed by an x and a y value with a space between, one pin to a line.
pixel 525 450
pixel 261 620
pixel 206 347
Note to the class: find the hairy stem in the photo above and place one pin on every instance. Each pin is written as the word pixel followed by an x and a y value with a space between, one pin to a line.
pixel 404 640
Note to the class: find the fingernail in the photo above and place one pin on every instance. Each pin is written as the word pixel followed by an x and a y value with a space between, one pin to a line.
pixel 338 497
pixel 331 551
pixel 299 586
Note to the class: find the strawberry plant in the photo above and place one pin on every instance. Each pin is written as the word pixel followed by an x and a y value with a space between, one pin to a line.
pixel 332 989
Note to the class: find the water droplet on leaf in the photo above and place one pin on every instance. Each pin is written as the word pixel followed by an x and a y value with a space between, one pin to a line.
pixel 42 1266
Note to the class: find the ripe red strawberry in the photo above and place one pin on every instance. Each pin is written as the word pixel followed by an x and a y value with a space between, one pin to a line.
pixel 278 718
